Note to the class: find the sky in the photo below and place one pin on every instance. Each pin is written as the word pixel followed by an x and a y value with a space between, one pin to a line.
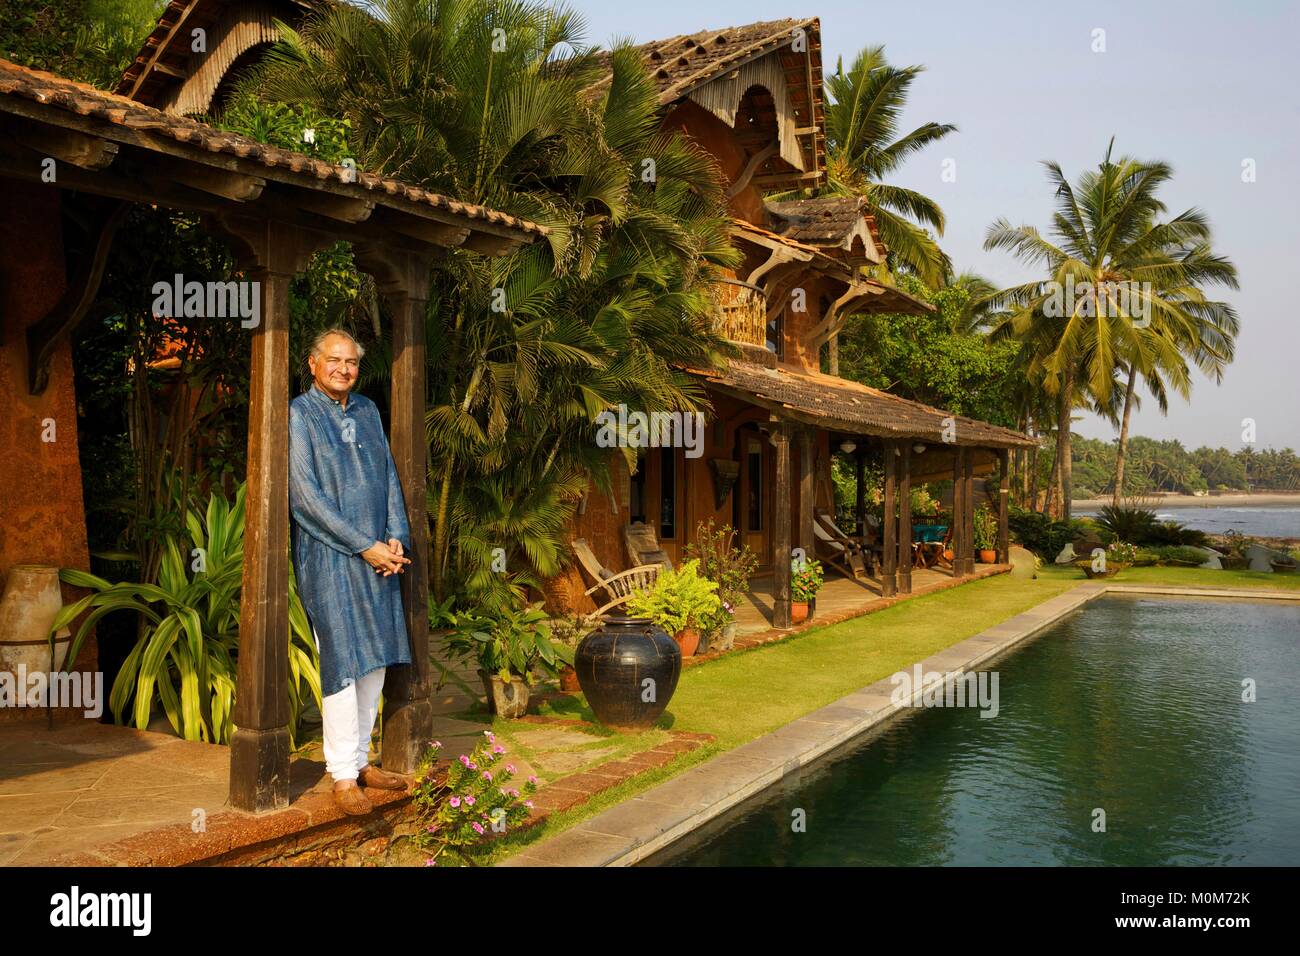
pixel 1202 86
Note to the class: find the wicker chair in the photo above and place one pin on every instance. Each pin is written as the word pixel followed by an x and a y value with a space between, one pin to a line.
pixel 618 587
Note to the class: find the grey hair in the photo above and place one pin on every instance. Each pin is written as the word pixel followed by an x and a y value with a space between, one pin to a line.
pixel 319 342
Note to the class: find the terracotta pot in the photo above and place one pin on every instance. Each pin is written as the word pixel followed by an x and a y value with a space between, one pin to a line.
pixel 988 556
pixel 31 601
pixel 947 555
pixel 688 639
pixel 798 611
pixel 509 700
pixel 569 680
pixel 614 664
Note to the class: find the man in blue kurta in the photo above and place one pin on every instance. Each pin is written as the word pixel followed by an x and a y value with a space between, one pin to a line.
pixel 350 535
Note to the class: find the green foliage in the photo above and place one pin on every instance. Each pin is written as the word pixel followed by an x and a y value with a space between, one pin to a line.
pixel 1121 553
pixel 806 579
pixel 1175 554
pixel 88 40
pixel 298 127
pixel 678 600
pixel 1174 534
pixel 508 641
pixel 722 562
pixel 986 529
pixel 185 656
pixel 1127 523
pixel 459 809
pixel 1041 534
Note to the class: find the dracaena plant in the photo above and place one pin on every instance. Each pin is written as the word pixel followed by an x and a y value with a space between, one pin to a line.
pixel 187 646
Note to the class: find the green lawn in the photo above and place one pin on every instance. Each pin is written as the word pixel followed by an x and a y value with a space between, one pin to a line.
pixel 747 694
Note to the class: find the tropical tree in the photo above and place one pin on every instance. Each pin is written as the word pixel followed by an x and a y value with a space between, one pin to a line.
pixel 864 148
pixel 1122 293
pixel 500 103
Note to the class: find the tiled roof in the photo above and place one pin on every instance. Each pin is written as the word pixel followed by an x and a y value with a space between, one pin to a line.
pixel 825 221
pixel 681 63
pixel 854 408
pixel 21 83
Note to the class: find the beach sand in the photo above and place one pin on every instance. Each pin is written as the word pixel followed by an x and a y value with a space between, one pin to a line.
pixel 1261 499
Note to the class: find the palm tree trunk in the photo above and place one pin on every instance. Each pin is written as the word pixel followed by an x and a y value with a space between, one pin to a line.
pixel 1123 435
pixel 1065 463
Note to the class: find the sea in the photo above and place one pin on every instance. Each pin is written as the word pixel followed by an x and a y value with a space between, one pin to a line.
pixel 1256 521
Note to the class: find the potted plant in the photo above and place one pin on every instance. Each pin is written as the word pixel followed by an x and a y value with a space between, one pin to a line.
pixel 1119 555
pixel 1235 545
pixel 680 602
pixel 509 643
pixel 569 630
pixel 986 535
pixel 805 581
pixel 730 567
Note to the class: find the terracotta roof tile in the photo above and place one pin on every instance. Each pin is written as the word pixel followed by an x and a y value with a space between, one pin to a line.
pixel 78 98
pixel 853 407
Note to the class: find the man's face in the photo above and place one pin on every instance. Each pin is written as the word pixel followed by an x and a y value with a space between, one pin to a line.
pixel 335 368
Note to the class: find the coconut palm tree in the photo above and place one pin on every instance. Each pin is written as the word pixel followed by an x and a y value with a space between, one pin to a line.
pixel 1123 291
pixel 863 148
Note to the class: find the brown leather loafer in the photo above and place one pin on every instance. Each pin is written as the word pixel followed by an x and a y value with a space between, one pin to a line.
pixel 372 776
pixel 352 801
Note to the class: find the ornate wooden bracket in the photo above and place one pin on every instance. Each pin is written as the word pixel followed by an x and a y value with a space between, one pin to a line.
pixel 725 474
pixel 44 336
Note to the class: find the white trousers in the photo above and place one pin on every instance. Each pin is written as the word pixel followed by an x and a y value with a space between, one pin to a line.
pixel 349 718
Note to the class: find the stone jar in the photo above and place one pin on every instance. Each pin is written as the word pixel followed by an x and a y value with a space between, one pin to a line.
pixel 509 700
pixel 31 601
pixel 628 669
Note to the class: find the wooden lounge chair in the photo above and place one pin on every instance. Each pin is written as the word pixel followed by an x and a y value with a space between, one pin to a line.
pixel 643 545
pixel 843 553
pixel 618 587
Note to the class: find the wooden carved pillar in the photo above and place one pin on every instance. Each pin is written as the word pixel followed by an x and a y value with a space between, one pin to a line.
pixel 888 579
pixel 905 518
pixel 781 545
pixel 408 708
pixel 968 497
pixel 270 253
pixel 807 492
pixel 1004 504
pixel 958 511
pixel 860 504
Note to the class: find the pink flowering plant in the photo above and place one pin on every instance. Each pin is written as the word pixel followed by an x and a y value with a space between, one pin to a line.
pixel 470 802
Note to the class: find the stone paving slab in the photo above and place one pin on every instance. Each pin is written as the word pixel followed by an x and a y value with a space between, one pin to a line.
pixel 634 830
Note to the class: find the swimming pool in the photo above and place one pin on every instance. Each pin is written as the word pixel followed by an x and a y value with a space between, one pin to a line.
pixel 1132 706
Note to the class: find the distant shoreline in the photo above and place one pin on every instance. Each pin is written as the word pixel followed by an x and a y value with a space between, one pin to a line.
pixel 1262 499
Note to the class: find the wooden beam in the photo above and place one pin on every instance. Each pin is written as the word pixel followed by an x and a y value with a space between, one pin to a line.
pixel 68 146
pixel 340 208
pixel 958 514
pixel 1004 505
pixel 162 45
pixel 781 548
pixel 905 517
pixel 746 174
pixel 807 492
pixel 237 187
pixel 408 707
pixel 968 496
pixel 488 244
pixel 44 336
pixel 786 179
pixel 889 523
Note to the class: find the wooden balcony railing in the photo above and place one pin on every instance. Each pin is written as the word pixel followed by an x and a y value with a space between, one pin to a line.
pixel 742 312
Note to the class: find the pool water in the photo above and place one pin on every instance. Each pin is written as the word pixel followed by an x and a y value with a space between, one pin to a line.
pixel 1131 705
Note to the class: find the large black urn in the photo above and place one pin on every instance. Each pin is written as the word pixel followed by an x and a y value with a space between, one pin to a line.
pixel 628 669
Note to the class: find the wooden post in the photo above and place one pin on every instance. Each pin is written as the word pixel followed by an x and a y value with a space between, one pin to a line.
pixel 780 438
pixel 408 708
pixel 905 518
pixel 860 505
pixel 958 513
pixel 259 747
pixel 968 497
pixel 1004 505
pixel 807 493
pixel 888 573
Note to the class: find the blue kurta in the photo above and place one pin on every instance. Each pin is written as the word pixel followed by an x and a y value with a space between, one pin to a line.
pixel 344 496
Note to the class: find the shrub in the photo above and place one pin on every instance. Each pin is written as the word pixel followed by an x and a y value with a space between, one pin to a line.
pixel 1040 534
pixel 1127 524
pixel 508 641
pixel 986 529
pixel 1173 533
pixel 1166 554
pixel 456 810
pixel 1121 552
pixel 678 599
pixel 721 562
